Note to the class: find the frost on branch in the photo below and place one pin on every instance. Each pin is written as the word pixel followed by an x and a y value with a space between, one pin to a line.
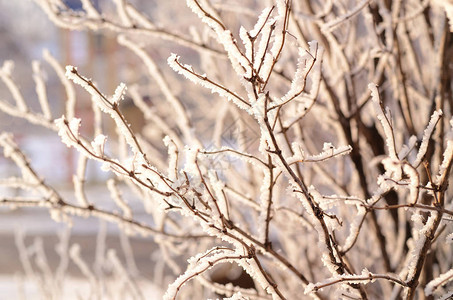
pixel 441 280
pixel 69 131
pixel 107 105
pixel 426 136
pixel 119 94
pixel 308 60
pixel 206 13
pixel 41 89
pixel 364 278
pixel 198 265
pixel 272 153
pixel 446 165
pixel 385 120
pixel 11 150
pixel 329 151
pixel 5 76
pixel 203 80
pixel 69 88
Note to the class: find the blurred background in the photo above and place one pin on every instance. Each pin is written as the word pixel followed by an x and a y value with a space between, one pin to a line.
pixel 25 31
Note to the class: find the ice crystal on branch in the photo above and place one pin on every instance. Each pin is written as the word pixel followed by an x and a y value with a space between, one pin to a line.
pixel 305 141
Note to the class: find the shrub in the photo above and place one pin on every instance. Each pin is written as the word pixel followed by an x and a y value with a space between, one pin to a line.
pixel 309 144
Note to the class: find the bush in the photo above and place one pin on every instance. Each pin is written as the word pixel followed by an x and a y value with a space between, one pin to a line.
pixel 308 145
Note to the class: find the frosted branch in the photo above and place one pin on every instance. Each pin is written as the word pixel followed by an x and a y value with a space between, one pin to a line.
pixel 41 89
pixel 427 136
pixel 439 281
pixel 364 278
pixel 348 15
pixel 203 80
pixel 69 88
pixel 118 198
pixel 5 76
pixel 385 121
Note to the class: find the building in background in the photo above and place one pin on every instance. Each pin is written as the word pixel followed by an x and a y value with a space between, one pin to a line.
pixel 96 55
